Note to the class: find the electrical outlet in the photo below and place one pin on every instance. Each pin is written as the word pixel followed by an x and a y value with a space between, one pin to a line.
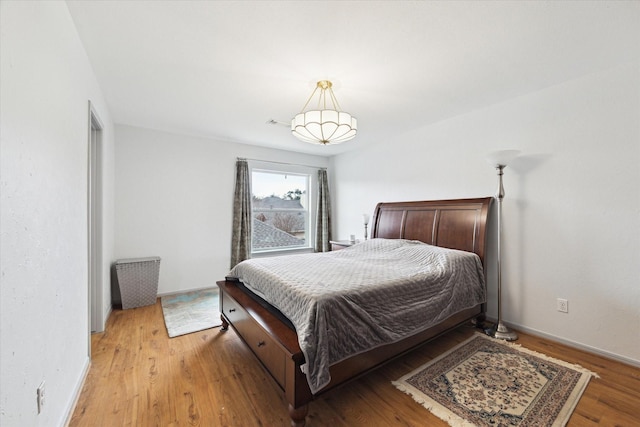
pixel 40 395
pixel 563 305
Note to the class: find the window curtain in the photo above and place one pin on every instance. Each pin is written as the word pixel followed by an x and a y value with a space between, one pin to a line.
pixel 241 231
pixel 323 215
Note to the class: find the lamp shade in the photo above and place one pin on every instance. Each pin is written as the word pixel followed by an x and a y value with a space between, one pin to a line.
pixel 324 125
pixel 502 157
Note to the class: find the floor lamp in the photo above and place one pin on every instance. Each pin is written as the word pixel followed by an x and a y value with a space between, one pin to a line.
pixel 500 160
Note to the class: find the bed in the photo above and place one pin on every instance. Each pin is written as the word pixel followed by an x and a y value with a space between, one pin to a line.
pixel 454 224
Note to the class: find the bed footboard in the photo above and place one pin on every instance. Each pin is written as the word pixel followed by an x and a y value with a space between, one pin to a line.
pixel 273 343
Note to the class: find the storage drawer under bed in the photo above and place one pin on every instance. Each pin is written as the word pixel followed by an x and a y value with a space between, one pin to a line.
pixel 262 345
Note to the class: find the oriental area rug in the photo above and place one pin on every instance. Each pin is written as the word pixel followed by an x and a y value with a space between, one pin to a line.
pixel 488 382
pixel 191 312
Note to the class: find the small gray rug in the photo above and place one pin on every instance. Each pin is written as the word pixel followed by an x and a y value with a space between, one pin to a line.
pixel 191 311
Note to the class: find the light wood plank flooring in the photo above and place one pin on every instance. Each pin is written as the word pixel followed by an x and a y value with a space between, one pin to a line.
pixel 140 377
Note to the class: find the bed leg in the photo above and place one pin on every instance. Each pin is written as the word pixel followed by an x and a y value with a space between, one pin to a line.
pixel 225 324
pixel 298 415
pixel 478 321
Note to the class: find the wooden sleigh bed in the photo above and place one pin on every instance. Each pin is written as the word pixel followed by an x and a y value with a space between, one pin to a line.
pixel 456 224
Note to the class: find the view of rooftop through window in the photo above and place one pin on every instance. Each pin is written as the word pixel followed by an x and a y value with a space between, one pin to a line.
pixel 280 210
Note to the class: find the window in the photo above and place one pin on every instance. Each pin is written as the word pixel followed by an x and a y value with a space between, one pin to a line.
pixel 281 208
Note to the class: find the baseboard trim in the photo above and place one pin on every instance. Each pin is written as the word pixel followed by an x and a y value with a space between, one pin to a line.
pixel 573 344
pixel 77 391
pixel 184 291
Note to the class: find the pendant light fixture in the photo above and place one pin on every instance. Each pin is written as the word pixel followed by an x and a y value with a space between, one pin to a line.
pixel 324 125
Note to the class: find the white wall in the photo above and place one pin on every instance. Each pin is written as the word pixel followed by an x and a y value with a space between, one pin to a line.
pixel 174 199
pixel 572 206
pixel 46 82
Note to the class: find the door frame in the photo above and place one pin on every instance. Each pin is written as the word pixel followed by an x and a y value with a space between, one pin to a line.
pixel 94 217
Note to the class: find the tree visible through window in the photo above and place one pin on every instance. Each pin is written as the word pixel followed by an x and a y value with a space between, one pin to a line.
pixel 280 210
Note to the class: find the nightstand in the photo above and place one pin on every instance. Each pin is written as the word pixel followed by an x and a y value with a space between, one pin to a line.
pixel 336 245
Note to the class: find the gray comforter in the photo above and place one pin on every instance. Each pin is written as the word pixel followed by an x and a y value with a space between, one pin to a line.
pixel 377 292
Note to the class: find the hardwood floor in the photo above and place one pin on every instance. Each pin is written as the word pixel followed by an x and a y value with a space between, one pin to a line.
pixel 140 377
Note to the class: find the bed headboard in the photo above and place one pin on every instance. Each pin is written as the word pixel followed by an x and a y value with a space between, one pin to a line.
pixel 455 224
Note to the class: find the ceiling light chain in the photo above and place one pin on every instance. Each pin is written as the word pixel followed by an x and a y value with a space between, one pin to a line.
pixel 311 97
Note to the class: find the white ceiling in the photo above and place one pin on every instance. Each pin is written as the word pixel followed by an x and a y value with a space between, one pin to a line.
pixel 222 69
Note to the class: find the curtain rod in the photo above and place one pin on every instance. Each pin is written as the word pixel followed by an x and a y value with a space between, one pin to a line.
pixel 282 163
